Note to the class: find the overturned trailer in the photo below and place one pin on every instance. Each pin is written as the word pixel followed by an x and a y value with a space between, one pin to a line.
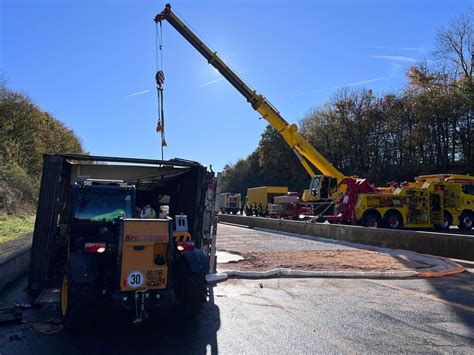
pixel 92 240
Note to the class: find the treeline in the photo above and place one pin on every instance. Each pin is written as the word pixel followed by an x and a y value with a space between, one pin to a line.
pixel 427 127
pixel 26 133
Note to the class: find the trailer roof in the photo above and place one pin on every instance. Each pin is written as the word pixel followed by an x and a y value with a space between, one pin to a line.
pixel 98 158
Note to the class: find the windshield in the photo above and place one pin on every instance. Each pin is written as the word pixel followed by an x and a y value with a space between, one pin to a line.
pixel 103 205
pixel 315 183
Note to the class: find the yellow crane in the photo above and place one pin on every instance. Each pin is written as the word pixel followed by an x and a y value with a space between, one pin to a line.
pixel 423 204
pixel 322 186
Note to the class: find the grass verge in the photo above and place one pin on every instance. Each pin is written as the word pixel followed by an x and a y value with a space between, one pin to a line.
pixel 12 228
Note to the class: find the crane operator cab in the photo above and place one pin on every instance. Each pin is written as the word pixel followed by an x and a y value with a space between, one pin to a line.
pixel 323 187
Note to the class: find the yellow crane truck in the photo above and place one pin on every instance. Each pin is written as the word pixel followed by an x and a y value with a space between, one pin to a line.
pixel 133 234
pixel 422 204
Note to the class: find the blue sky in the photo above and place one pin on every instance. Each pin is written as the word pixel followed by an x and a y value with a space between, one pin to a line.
pixel 83 61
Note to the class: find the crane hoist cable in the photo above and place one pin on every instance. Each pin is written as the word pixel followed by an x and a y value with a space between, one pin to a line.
pixel 160 79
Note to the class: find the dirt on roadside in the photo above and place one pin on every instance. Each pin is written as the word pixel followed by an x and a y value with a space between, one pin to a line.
pixel 341 259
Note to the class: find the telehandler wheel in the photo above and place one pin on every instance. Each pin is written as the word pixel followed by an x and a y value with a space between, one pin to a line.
pixel 466 221
pixel 393 220
pixel 72 297
pixel 371 220
pixel 193 292
pixel 448 221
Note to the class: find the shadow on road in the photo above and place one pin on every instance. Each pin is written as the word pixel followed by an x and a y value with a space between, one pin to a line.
pixel 163 332
pixel 113 333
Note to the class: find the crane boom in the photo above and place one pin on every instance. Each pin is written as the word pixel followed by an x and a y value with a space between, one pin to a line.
pixel 302 148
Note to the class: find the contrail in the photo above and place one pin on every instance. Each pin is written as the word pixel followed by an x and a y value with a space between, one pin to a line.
pixel 346 85
pixel 395 58
pixel 365 81
pixel 400 48
pixel 212 82
pixel 139 93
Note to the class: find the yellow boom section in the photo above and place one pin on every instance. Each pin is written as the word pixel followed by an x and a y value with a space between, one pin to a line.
pixel 303 150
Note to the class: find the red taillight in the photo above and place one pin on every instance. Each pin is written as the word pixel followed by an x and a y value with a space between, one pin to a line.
pixel 182 246
pixel 94 247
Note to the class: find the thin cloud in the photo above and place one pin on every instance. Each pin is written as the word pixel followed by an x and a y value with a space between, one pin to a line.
pixel 394 58
pixel 355 83
pixel 139 93
pixel 212 82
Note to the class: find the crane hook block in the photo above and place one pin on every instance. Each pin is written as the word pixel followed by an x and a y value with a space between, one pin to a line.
pixel 163 14
pixel 160 78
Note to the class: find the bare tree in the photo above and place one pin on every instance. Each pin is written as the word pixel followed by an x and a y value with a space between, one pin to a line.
pixel 454 45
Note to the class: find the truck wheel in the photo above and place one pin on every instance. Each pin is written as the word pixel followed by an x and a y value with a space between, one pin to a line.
pixel 448 220
pixel 72 296
pixel 466 221
pixel 393 220
pixel 371 220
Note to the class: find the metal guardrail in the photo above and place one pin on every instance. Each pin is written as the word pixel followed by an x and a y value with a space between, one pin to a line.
pixel 442 244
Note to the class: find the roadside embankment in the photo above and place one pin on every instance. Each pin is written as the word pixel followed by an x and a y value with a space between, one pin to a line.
pixel 441 244
pixel 14 259
pixel 15 245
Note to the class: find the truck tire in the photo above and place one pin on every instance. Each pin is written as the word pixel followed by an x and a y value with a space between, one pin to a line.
pixel 393 220
pixel 73 297
pixel 194 292
pixel 448 221
pixel 466 221
pixel 372 220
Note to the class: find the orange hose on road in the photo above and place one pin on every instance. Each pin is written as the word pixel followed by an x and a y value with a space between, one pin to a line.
pixel 457 269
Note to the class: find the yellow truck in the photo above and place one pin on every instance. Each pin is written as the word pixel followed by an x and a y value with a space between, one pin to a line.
pixel 437 201
pixel 458 198
pixel 406 207
pixel 258 199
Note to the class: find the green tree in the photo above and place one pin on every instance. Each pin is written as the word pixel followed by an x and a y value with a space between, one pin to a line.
pixel 26 133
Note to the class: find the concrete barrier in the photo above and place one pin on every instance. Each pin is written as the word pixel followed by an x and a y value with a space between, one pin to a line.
pixel 14 266
pixel 442 244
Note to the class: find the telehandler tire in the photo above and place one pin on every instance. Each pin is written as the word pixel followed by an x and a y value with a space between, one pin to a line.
pixel 74 310
pixel 193 292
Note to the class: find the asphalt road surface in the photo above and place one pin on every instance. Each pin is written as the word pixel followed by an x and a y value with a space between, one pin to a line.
pixel 277 316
